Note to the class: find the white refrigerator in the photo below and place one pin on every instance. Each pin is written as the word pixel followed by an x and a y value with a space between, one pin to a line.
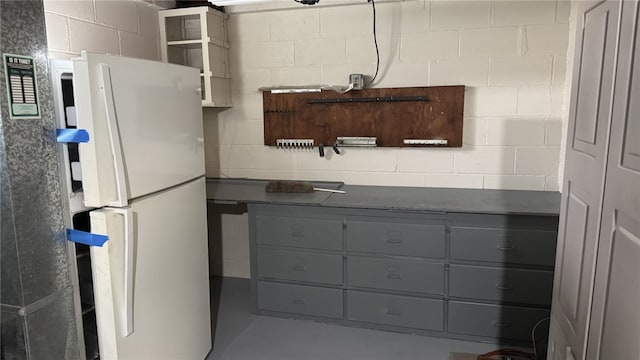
pixel 142 182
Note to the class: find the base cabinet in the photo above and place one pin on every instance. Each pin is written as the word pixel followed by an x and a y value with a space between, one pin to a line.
pixel 483 277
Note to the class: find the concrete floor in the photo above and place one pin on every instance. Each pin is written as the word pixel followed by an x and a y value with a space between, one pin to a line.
pixel 241 335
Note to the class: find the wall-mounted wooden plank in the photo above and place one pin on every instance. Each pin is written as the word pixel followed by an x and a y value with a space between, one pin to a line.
pixel 390 114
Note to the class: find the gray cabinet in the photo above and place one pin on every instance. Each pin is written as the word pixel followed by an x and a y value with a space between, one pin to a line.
pixel 468 276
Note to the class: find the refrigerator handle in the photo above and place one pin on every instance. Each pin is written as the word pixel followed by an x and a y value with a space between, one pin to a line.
pixel 114 137
pixel 127 308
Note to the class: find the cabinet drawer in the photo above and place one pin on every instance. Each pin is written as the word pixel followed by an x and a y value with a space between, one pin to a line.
pixel 299 232
pixel 505 322
pixel 299 299
pixel 404 275
pixel 396 238
pixel 395 310
pixel 502 245
pixel 499 284
pixel 300 266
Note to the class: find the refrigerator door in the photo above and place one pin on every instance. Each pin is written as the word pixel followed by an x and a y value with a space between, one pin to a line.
pixel 151 281
pixel 144 120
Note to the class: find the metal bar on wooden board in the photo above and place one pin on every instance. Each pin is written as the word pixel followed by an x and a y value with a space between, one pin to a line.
pixel 367 99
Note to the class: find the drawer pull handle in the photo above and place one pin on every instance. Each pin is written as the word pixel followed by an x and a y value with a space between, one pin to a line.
pixel 299 268
pixel 393 313
pixel 501 324
pixel 394 241
pixel 506 248
pixel 297 231
pixel 393 276
pixel 504 287
pixel 299 302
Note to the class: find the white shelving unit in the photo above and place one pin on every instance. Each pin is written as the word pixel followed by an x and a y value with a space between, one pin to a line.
pixel 197 37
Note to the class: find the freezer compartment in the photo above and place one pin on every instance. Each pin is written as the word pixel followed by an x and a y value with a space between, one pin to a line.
pixel 144 120
pixel 151 277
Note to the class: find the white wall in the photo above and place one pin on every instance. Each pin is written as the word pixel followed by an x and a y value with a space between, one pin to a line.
pixel 511 55
pixel 121 27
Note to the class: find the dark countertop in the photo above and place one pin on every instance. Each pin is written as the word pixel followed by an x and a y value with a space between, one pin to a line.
pixel 393 197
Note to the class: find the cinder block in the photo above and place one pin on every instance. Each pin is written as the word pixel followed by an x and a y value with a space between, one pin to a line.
pixel 474 131
pixel 548 39
pixel 266 54
pixel 399 74
pixel 248 81
pixel 426 160
pixel 348 21
pixel 82 9
pixel 525 71
pixel 57 32
pixel 372 160
pixel 310 160
pixel 534 101
pixel 516 131
pixel 484 160
pixel 500 101
pixel 552 183
pixel 245 107
pixel 383 179
pixel 468 72
pixel 563 11
pixel 431 45
pixel 138 46
pixel 554 133
pixel 148 21
pixel 267 157
pixel 514 182
pixel 320 51
pixel 303 75
pixel 455 181
pixel 248 27
pixel 523 12
pixel 249 132
pixel 489 42
pixel 559 77
pixel 295 25
pixel 235 156
pixel 537 160
pixel 447 15
pixel 92 37
pixel 120 14
pixel 361 49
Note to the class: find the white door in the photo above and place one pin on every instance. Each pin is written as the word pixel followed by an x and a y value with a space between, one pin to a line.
pixel 599 241
pixel 144 120
pixel 615 321
pixel 151 278
pixel 586 155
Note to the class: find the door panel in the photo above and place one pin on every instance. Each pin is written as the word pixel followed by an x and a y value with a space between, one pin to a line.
pixel 586 156
pixel 615 324
pixel 146 112
pixel 170 309
pixel 572 267
pixel 620 330
pixel 595 75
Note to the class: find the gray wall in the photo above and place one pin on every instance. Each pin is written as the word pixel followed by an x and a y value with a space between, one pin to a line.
pixel 36 299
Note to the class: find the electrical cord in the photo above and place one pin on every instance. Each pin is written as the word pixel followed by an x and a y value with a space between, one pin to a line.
pixel 533 335
pixel 375 41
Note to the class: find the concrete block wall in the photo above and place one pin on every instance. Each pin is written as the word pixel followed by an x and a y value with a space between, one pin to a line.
pixel 511 55
pixel 119 27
